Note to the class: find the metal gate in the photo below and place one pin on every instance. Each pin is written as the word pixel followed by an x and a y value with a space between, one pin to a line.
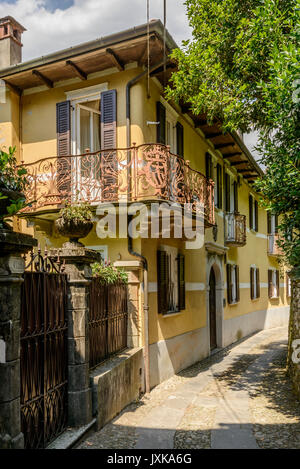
pixel 43 352
pixel 108 316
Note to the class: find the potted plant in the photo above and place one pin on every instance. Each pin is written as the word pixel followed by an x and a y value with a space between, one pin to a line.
pixel 75 221
pixel 13 182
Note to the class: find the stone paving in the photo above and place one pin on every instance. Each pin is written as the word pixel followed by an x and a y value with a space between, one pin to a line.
pixel 239 397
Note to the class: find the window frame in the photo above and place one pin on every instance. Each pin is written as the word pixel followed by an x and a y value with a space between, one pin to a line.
pixel 233 287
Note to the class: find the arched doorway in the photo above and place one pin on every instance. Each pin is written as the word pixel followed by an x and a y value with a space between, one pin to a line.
pixel 212 310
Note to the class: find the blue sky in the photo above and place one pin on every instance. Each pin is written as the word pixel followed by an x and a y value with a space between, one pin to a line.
pixel 56 24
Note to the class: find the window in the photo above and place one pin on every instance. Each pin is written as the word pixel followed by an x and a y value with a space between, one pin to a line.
pixel 170 280
pixel 254 283
pixel 273 283
pixel 169 131
pixel 253 213
pixel 233 284
pixel 272 223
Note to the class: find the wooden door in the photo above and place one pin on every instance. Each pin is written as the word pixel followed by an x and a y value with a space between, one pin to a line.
pixel 212 310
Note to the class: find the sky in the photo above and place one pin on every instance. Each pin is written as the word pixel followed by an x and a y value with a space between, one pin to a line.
pixel 53 25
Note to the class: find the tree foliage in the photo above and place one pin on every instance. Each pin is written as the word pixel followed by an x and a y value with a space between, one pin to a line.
pixel 242 68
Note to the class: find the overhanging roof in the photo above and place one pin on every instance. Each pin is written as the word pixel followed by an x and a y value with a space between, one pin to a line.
pixel 116 50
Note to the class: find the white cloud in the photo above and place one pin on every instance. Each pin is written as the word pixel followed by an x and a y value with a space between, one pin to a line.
pixel 86 20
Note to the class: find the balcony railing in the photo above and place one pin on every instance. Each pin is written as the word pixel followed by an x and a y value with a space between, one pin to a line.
pixel 139 173
pixel 235 229
pixel 273 248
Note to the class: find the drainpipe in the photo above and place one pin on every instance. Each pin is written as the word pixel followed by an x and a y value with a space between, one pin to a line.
pixel 132 82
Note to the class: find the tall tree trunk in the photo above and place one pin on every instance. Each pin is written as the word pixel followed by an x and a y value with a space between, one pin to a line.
pixel 293 361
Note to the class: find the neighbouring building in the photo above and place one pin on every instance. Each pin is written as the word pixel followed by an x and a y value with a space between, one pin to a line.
pixel 91 125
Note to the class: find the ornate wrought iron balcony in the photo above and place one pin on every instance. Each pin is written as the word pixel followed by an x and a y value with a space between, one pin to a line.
pixel 235 229
pixel 273 248
pixel 140 173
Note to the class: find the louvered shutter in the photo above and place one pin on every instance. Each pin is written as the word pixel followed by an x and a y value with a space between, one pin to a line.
pixel 208 165
pixel 256 215
pixel 277 283
pixel 276 224
pixel 219 185
pixel 109 164
pixel 270 284
pixel 227 192
pixel 161 127
pixel 229 284
pixel 257 284
pixel 269 222
pixel 236 201
pixel 237 282
pixel 250 211
pixel 162 282
pixel 252 282
pixel 179 139
pixel 181 282
pixel 63 132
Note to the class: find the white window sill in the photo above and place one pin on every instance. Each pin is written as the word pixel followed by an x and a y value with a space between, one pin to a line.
pixel 255 299
pixel 234 303
pixel 274 298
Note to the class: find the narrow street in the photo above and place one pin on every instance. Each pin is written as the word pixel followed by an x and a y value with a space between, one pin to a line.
pixel 239 397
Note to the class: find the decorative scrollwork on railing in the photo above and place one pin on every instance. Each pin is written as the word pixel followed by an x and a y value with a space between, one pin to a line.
pixel 142 172
pixel 44 263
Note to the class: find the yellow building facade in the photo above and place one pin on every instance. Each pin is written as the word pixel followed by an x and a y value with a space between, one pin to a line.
pixel 224 290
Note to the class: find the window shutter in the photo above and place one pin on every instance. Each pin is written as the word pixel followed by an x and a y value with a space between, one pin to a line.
pixel 277 283
pixel 236 201
pixel 237 279
pixel 162 282
pixel 208 165
pixel 252 282
pixel 109 166
pixel 161 127
pixel 219 185
pixel 256 215
pixel 270 284
pixel 227 192
pixel 276 224
pixel 269 222
pixel 181 282
pixel 229 284
pixel 257 284
pixel 250 211
pixel 63 132
pixel 179 139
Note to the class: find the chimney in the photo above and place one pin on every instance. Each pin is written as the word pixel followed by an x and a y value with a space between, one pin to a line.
pixel 10 42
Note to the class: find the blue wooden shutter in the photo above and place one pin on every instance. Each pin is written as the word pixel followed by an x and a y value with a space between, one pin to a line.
pixel 63 133
pixel 108 109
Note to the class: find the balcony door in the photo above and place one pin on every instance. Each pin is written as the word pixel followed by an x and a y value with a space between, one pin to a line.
pixel 86 140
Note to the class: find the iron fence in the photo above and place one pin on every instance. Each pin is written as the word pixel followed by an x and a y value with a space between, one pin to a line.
pixel 108 316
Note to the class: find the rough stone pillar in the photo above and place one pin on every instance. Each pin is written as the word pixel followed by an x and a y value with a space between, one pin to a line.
pixel 12 246
pixel 294 335
pixel 134 328
pixel 78 262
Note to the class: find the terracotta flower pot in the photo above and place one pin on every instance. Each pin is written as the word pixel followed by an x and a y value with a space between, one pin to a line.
pixel 73 229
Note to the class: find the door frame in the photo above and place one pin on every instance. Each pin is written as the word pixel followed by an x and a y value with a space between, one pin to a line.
pixel 215 262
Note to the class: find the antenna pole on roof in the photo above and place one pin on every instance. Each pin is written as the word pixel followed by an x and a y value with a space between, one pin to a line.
pixel 148 48
pixel 165 23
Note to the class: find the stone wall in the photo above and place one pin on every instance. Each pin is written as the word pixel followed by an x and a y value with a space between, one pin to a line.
pixel 294 337
pixel 117 383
